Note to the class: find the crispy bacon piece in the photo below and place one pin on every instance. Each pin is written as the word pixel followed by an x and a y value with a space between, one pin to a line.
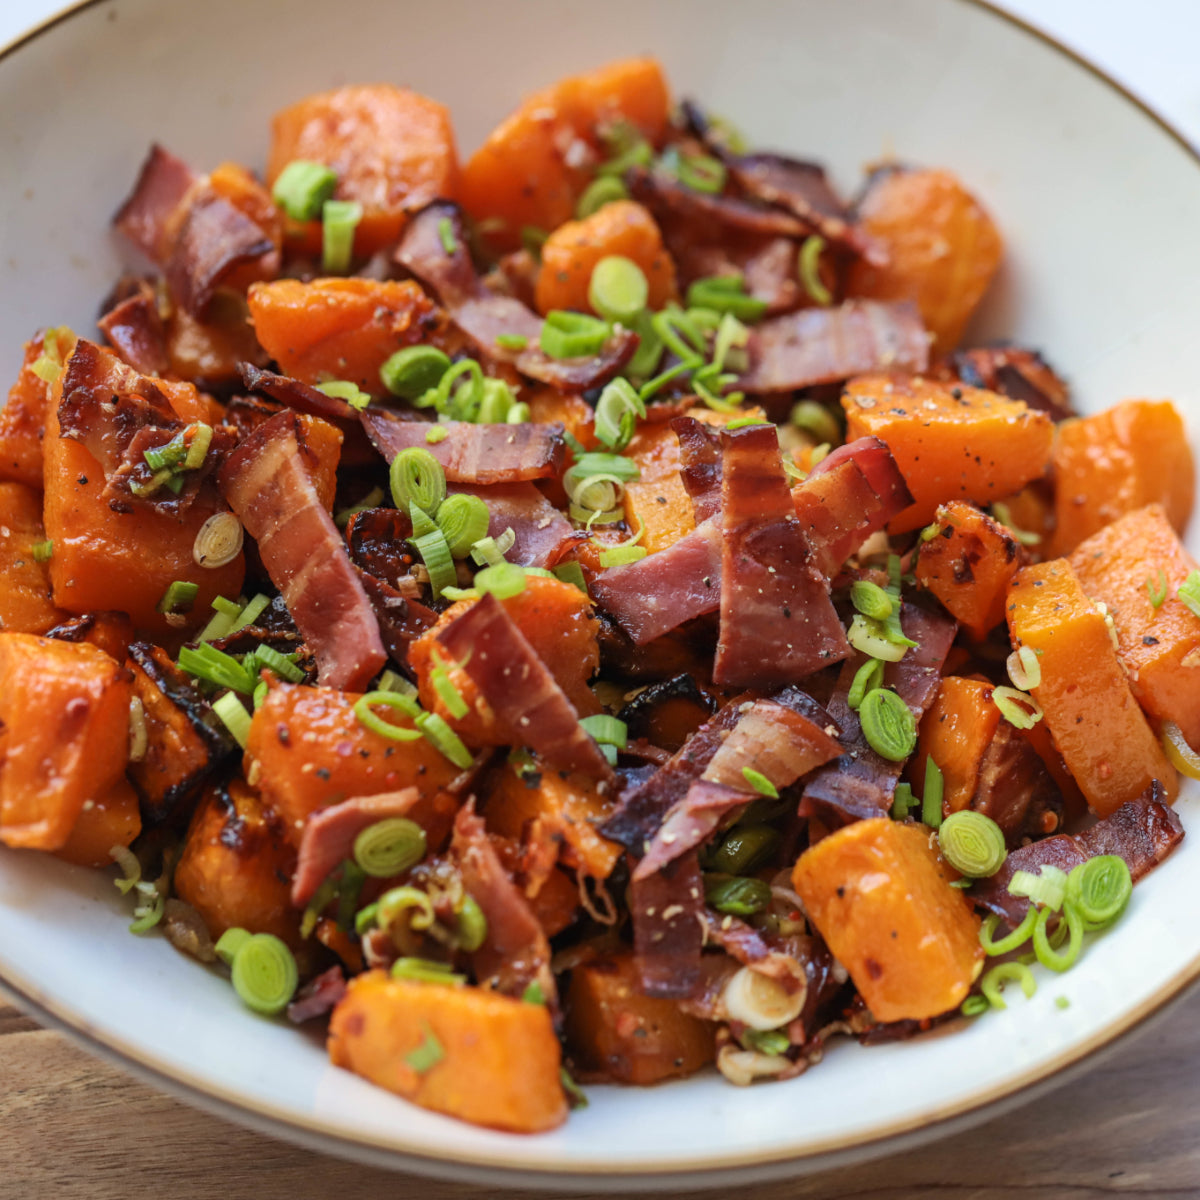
pixel 778 623
pixel 402 619
pixel 1015 372
pixel 526 698
pixel 302 397
pixel 135 330
pixel 162 186
pixel 268 485
pixel 329 835
pixel 669 200
pixel 667 909
pixel 751 947
pixel 516 951
pixel 484 315
pixel 474 453
pixel 541 530
pixel 859 783
pixel 377 539
pixel 318 996
pixel 690 823
pixel 663 590
pixel 828 345
pixel 1142 832
pixel 700 465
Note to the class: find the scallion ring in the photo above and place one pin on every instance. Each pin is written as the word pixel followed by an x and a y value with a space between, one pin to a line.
pixel 1100 889
pixel 416 477
pixel 866 679
pixel 618 289
pixel 870 637
pixel 376 724
pixel 264 974
pixel 888 725
pixel 1024 669
pixel 573 335
pixel 408 902
pixel 972 843
pixel 993 982
pixel 339 220
pixel 463 518
pixel 435 554
pixel 604 190
pixel 504 580
pixel 1010 942
pixel 809 269
pixel 1046 953
pixel 871 600
pixel 472 925
pixel 413 371
pixel 425 970
pixel 1048 888
pixel 444 739
pixel 218 541
pixel 1018 708
pixel 389 847
pixel 617 413
pixel 1182 756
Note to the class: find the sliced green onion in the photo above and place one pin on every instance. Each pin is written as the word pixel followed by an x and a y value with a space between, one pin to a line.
pixel 130 867
pixel 1183 758
pixel 376 724
pixel 618 289
pixel 497 403
pixel 871 600
pixel 472 925
pixel 446 235
pixel 389 847
pixel 42 551
pixel 345 389
pixel 1015 707
pixel 760 783
pixel 606 730
pixel 604 190
pixel 573 335
pixel 261 691
pixel 302 188
pixel 264 974
pixel 1046 954
pixel 698 172
pixel 744 848
pixel 425 970
pixel 533 994
pixel 229 943
pixel 253 610
pixel 726 294
pixel 1013 941
pixel 463 518
pixel 449 695
pixel 629 149
pixel 888 725
pixel 504 580
pixel 392 681
pixel 810 270
pixel 866 679
pixel 221 622
pixel 617 413
pixel 619 556
pixel 197 451
pixel 149 912
pixel 972 843
pixel 416 477
pixel 486 552
pixel 576 1097
pixel 1048 889
pixel 1002 514
pixel 435 554
pixel 737 896
pixel 398 901
pixel 169 454
pixel 444 739
pixel 459 393
pixel 680 337
pixel 817 420
pixel 427 1055
pixel 935 787
pixel 411 372
pixel 1157 587
pixel 533 239
pixel 436 433
pixel 1100 889
pixel 178 598
pixel 1189 593
pixel 216 667
pixel 511 341
pixel 597 463
pixel 649 350
pixel 49 364
pixel 339 220
pixel 1024 669
pixel 572 573
pixel 151 485
pixel 993 982
pixel 234 717
pixel 422 522
pixel 974 1006
pixel 902 801
pixel 869 637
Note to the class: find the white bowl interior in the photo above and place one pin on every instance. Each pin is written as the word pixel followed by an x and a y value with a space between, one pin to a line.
pixel 1098 204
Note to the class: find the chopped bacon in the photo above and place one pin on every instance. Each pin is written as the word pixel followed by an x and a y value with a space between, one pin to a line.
pixel 303 397
pixel 1142 832
pixel 318 996
pixel 474 453
pixel 268 484
pixel 540 529
pixel 690 823
pixel 1015 372
pixel 134 328
pixel 667 909
pixel 526 698
pixel 515 952
pixel 329 834
pixel 402 619
pixel 778 623
pixel 828 345
pixel 214 239
pixel 484 315
pixel 754 948
pixel 669 200
pixel 859 783
pixel 663 590
pixel 700 465
pixel 162 186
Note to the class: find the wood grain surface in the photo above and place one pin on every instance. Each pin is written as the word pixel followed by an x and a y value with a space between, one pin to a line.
pixel 75 1128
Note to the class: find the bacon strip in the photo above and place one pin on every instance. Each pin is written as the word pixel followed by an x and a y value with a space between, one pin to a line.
pixel 828 345
pixel 859 783
pixel 329 835
pixel 135 331
pixel 700 465
pixel 162 185
pixel 540 529
pixel 753 948
pixel 320 995
pixel 474 453
pixel 669 200
pixel 1142 832
pixel 778 623
pixel 667 909
pixel 302 397
pixel 690 823
pixel 484 315
pixel 268 485
pixel 515 952
pixel 526 698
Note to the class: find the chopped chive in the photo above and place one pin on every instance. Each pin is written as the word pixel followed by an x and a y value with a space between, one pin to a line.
pixel 302 188
pixel 234 717
pixel 339 220
pixel 446 235
pixel 346 389
pixel 42 551
pixel 572 335
pixel 427 1055
pixel 618 289
pixel 1189 593
pixel 760 783
pixel 601 191
pixel 511 341
pixel 178 598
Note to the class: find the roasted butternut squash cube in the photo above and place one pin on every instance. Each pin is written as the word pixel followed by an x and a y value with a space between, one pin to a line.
pixel 25 600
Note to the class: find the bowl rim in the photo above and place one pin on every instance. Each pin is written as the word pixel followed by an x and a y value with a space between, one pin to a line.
pixel 705 1169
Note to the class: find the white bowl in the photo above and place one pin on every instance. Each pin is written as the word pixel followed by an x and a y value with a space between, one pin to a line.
pixel 1100 205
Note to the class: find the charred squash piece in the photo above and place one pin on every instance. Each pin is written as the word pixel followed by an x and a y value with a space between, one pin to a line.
pixel 23 417
pixel 25 603
pixel 185 741
pixel 111 819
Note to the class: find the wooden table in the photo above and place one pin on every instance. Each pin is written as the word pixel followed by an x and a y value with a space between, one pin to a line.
pixel 75 1128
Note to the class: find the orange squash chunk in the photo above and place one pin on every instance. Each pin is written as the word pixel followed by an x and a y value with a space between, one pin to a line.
pixel 614 1031
pixel 1133 454
pixel 968 566
pixel 236 866
pixel 535 165
pixel 339 328
pixel 942 249
pixel 955 733
pixel 23 421
pixel 25 603
pixel 950 441
pixel 64 713
pixel 306 750
pixel 1092 715
pixel 476 1055
pixel 877 894
pixel 571 252
pixel 1159 647
pixel 392 148
pixel 111 819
